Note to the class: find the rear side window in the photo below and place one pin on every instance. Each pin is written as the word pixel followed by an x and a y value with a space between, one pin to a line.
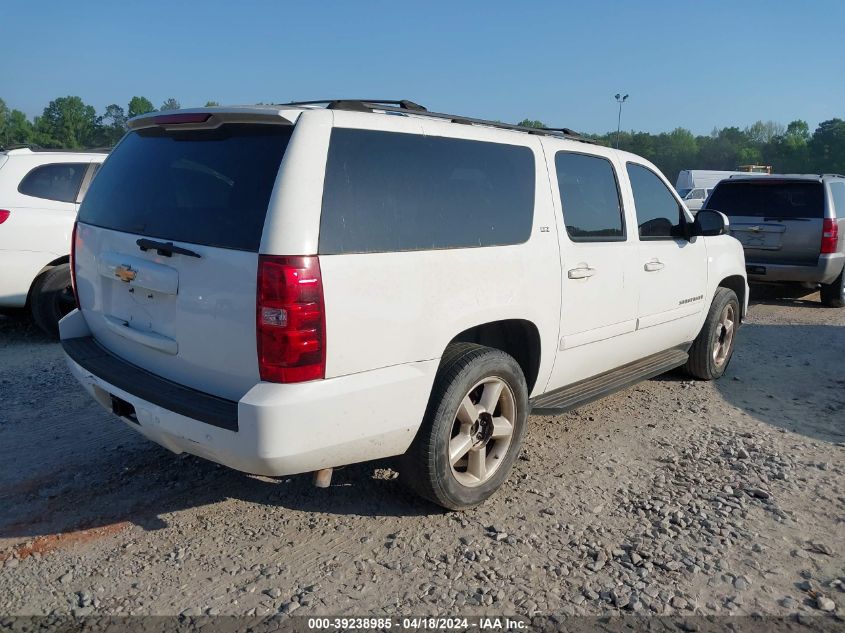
pixel 837 192
pixel 209 187
pixel 769 199
pixel 57 181
pixel 589 196
pixel 659 215
pixel 387 191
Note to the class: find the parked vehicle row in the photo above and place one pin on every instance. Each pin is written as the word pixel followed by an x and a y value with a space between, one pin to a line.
pixel 284 289
pixel 40 192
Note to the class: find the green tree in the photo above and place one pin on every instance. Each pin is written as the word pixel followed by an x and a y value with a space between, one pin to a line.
pixel 67 122
pixel 211 104
pixel 531 123
pixel 112 125
pixel 170 104
pixel 139 105
pixel 764 131
pixel 827 147
pixel 790 152
pixel 15 128
pixel 18 129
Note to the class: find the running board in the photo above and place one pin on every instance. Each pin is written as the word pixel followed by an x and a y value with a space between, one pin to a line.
pixel 585 391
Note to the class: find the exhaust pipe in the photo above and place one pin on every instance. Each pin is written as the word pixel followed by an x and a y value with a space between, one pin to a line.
pixel 323 478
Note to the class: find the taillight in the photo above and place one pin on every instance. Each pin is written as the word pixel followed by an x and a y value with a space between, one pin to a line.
pixel 291 319
pixel 73 264
pixel 4 215
pixel 830 235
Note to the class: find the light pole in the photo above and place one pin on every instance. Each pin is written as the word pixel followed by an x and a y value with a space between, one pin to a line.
pixel 620 99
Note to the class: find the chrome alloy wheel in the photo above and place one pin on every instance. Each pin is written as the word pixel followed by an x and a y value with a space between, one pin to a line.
pixel 482 431
pixel 724 335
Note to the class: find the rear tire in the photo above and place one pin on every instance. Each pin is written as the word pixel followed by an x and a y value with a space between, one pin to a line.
pixel 833 294
pixel 713 347
pixel 472 430
pixel 51 299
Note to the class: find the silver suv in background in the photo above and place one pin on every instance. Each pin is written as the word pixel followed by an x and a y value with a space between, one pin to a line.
pixel 792 228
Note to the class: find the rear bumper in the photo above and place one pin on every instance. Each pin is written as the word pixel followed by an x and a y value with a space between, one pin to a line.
pixel 825 271
pixel 278 429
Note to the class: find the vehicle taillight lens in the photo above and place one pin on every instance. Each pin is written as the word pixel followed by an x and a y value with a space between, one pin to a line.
pixel 73 239
pixel 291 319
pixel 4 215
pixel 830 235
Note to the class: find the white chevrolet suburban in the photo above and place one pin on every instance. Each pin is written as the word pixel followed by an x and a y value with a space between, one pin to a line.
pixel 285 289
pixel 40 192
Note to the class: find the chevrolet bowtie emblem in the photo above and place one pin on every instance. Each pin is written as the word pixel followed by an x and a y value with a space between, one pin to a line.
pixel 125 273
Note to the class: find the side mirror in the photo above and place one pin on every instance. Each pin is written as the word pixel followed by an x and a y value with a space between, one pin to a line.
pixel 709 223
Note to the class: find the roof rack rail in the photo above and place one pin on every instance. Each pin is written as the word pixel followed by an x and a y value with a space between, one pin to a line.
pixel 403 106
pixel 363 105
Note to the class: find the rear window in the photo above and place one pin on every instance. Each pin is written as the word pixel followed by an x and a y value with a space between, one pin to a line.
pixel 767 199
pixel 209 187
pixel 589 196
pixel 57 181
pixel 837 192
pixel 387 191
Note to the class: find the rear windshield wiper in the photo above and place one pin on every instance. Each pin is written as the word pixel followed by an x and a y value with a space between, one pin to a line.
pixel 167 249
pixel 786 217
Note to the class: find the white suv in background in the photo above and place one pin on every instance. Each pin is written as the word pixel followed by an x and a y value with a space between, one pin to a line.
pixel 40 192
pixel 284 289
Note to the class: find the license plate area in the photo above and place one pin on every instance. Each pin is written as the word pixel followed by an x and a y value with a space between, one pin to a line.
pixel 766 237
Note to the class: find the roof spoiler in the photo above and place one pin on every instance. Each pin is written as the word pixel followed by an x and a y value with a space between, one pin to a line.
pixel 209 118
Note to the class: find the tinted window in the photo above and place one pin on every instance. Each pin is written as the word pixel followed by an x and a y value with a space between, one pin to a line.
pixel 590 197
pixel 207 187
pixel 59 181
pixel 837 192
pixel 769 199
pixel 659 215
pixel 386 191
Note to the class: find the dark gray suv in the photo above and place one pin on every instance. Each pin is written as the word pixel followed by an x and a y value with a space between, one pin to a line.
pixel 792 228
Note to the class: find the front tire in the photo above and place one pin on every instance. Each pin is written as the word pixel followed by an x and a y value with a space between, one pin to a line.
pixel 833 294
pixel 713 347
pixel 51 299
pixel 472 430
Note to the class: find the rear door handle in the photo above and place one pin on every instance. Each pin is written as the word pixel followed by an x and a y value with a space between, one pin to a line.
pixel 654 265
pixel 582 272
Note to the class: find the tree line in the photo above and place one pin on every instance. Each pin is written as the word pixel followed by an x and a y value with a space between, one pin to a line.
pixel 69 123
pixel 787 149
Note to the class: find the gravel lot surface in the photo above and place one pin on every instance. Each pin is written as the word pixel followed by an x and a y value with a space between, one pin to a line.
pixel 673 497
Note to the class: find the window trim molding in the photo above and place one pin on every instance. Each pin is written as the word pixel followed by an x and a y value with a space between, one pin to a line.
pixel 591 239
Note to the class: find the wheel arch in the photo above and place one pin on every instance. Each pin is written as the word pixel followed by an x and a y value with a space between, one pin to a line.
pixel 64 259
pixel 738 285
pixel 518 337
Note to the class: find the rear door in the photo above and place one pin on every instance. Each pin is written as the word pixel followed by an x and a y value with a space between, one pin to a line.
pixel 778 221
pixel 167 250
pixel 599 294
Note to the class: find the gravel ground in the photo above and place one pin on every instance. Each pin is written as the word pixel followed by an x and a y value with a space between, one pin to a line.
pixel 673 497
